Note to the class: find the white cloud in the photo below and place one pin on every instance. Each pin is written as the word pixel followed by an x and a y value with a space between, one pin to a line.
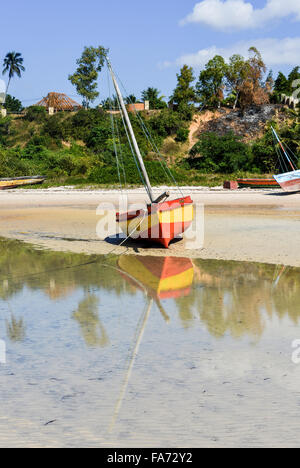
pixel 241 14
pixel 275 52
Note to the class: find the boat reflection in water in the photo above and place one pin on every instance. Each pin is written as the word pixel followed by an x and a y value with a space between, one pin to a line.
pixel 160 277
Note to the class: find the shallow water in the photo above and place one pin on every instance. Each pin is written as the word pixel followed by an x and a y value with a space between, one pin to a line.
pixel 141 351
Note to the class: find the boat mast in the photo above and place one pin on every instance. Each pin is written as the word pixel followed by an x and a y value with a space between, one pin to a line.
pixel 282 147
pixel 135 144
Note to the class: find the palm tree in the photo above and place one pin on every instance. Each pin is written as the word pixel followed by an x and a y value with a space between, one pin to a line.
pixel 153 96
pixel 13 64
pixel 131 99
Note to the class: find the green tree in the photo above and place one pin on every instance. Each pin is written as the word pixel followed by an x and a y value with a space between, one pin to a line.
pixel 86 76
pixel 110 103
pixel 184 94
pixel 13 104
pixel 13 65
pixel 131 99
pixel 153 96
pixel 281 84
pixel 235 73
pixel 211 83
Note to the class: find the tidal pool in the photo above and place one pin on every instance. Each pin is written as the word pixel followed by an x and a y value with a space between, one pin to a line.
pixel 136 351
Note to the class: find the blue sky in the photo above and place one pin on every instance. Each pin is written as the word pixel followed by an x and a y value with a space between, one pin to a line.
pixel 149 40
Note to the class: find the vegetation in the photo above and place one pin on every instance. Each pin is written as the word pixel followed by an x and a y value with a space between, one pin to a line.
pixel 287 85
pixel 79 148
pixel 210 87
pixel 153 96
pixel 13 65
pixel 86 76
pixel 13 104
pixel 225 154
pixel 184 94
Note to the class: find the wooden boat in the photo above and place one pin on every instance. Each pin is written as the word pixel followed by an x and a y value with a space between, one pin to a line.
pixel 258 183
pixel 15 182
pixel 162 220
pixel 288 181
pixel 163 277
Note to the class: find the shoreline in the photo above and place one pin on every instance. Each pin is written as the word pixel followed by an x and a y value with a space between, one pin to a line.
pixel 253 226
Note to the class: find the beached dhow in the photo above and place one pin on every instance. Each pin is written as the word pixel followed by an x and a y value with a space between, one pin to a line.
pixel 163 220
pixel 15 182
pixel 289 181
pixel 258 183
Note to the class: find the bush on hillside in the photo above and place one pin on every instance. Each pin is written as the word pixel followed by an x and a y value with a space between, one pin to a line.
pixel 166 123
pixel 182 135
pixel 4 129
pixel 36 114
pixel 224 154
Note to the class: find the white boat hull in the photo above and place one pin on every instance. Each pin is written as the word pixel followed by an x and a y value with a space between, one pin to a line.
pixel 289 182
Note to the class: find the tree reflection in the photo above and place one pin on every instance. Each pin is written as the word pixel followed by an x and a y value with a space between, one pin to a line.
pixel 228 297
pixel 16 330
pixel 91 327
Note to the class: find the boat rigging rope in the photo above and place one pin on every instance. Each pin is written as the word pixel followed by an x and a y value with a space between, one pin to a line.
pixel 281 160
pixel 113 135
pixel 152 143
pixel 121 152
pixel 71 267
pixel 291 157
pixel 132 149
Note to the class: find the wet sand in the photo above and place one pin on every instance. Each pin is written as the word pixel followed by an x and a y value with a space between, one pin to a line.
pixel 259 226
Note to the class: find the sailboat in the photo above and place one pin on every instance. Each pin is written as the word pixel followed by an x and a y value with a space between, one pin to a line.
pixel 163 220
pixel 289 181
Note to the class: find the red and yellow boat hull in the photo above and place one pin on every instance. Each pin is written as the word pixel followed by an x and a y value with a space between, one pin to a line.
pixel 161 223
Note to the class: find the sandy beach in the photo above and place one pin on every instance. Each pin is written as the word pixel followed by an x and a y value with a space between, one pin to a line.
pixel 259 226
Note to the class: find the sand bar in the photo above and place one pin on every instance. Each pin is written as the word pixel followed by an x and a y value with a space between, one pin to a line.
pixel 259 226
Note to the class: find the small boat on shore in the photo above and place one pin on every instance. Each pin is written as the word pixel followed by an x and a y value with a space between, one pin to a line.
pixel 289 181
pixel 14 182
pixel 258 183
pixel 162 220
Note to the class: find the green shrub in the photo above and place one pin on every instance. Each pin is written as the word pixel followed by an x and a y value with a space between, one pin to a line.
pixel 84 120
pixel 39 140
pixel 5 126
pixel 225 154
pixel 166 123
pixel 11 165
pixel 182 135
pixel 36 114
pixel 98 136
pixel 54 128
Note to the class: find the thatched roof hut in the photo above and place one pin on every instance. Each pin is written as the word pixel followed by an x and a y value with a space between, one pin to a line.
pixel 59 102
